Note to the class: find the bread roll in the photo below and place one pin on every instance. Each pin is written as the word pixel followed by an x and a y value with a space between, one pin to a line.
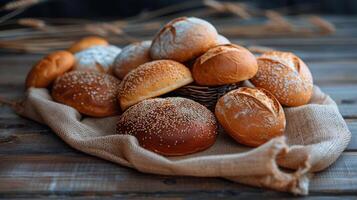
pixel 286 76
pixel 183 39
pixel 131 57
pixel 171 126
pixel 87 42
pixel 91 93
pixel 224 64
pixel 97 58
pixel 220 40
pixel 44 72
pixel 251 116
pixel 152 79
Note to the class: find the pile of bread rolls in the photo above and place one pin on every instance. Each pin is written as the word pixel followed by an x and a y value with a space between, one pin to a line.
pixel 99 80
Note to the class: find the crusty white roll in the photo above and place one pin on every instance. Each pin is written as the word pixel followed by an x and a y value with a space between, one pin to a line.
pixel 286 76
pixel 224 64
pixel 170 126
pixel 251 116
pixel 152 79
pixel 183 39
pixel 220 40
pixel 97 58
pixel 91 93
pixel 131 57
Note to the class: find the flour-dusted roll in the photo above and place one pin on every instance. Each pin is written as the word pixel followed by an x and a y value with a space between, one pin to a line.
pixel 170 126
pixel 131 57
pixel 152 79
pixel 183 39
pixel 97 58
pixel 224 64
pixel 220 40
pixel 91 93
pixel 86 43
pixel 251 116
pixel 44 72
pixel 286 76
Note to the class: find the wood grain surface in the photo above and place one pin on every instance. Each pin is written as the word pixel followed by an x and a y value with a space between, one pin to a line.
pixel 36 164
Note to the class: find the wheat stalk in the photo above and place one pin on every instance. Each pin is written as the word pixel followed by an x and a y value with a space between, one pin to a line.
pixel 324 26
pixel 33 38
pixel 238 9
pixel 33 23
pixel 13 5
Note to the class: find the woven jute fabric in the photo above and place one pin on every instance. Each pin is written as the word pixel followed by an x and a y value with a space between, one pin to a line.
pixel 315 136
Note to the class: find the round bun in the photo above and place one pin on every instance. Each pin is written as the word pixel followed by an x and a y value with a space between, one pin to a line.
pixel 131 57
pixel 97 58
pixel 250 116
pixel 91 93
pixel 224 64
pixel 87 42
pixel 44 72
pixel 172 126
pixel 183 39
pixel 286 76
pixel 220 40
pixel 152 79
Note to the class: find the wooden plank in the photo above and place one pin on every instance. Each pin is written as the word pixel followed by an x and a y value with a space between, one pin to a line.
pixel 338 72
pixel 207 195
pixel 47 174
pixel 342 94
pixel 352 126
pixel 13 142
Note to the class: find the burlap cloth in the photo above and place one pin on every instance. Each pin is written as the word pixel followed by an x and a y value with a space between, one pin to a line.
pixel 315 136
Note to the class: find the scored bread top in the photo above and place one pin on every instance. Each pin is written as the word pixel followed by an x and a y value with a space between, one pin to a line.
pixel 252 116
pixel 224 64
pixel 183 39
pixel 286 76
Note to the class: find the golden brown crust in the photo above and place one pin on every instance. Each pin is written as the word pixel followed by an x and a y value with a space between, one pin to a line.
pixel 49 68
pixel 131 57
pixel 183 39
pixel 152 79
pixel 286 76
pixel 91 93
pixel 251 116
pixel 87 42
pixel 224 64
pixel 171 126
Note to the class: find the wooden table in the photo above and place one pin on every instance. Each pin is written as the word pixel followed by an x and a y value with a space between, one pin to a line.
pixel 35 163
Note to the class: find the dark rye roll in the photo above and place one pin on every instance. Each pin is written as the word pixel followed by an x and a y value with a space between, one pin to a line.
pixel 170 126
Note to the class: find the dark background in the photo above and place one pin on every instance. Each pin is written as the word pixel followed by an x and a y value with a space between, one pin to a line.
pixel 93 9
